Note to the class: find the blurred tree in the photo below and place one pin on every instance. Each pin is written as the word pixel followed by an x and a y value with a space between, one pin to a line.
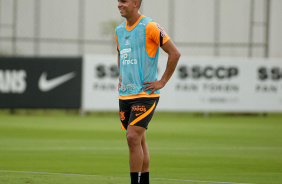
pixel 108 30
pixel 3 53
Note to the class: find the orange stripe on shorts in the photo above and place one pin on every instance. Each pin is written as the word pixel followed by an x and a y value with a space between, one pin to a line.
pixel 122 127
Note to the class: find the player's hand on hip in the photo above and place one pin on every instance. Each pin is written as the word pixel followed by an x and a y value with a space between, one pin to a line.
pixel 156 85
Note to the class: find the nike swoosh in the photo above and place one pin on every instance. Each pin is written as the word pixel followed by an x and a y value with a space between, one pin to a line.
pixel 138 114
pixel 47 85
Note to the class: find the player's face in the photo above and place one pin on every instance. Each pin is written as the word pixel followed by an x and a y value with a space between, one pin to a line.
pixel 126 7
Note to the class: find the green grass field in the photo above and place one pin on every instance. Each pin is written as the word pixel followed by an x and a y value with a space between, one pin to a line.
pixel 63 148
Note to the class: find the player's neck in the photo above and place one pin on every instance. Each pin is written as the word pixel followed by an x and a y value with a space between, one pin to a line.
pixel 132 20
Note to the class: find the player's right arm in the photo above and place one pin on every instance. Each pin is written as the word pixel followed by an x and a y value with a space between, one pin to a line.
pixel 119 84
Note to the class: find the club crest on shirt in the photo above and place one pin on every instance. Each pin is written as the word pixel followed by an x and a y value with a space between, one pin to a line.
pixel 163 33
pixel 127 42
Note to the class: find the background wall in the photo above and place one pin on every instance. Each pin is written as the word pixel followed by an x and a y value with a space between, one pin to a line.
pixel 235 28
pixel 276 29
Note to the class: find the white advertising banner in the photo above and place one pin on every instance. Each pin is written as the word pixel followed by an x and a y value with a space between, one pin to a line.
pixel 198 84
pixel 100 83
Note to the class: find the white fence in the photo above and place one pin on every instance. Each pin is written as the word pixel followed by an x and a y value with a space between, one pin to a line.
pixel 227 28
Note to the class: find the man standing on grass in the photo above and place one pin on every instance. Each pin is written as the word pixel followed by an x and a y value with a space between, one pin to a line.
pixel 138 41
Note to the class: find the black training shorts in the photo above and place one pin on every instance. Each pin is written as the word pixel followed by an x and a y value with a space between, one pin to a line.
pixel 138 112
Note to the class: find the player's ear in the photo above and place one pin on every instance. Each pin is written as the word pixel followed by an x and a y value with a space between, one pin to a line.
pixel 136 3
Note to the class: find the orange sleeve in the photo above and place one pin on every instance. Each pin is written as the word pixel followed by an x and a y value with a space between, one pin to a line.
pixel 117 41
pixel 155 37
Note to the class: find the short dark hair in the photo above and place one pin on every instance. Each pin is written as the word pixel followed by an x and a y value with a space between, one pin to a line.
pixel 140 2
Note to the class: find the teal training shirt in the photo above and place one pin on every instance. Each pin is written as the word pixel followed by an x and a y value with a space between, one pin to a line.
pixel 136 66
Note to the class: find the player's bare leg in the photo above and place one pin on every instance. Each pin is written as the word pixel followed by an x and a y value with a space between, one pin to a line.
pixel 134 137
pixel 146 160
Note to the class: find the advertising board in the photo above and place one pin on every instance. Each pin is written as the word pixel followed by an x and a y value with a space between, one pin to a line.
pixel 40 82
pixel 198 84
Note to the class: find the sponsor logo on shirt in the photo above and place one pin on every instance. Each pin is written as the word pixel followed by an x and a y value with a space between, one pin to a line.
pixel 125 51
pixel 163 33
pixel 125 58
pixel 129 62
pixel 127 87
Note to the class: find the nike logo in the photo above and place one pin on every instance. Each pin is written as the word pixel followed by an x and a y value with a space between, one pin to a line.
pixel 138 114
pixel 47 85
pixel 127 37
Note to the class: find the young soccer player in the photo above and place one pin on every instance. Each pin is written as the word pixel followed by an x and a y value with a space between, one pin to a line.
pixel 138 41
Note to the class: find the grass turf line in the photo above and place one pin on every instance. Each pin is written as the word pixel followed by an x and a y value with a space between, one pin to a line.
pixel 219 148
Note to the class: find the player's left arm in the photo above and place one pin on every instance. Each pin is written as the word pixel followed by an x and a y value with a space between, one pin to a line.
pixel 173 57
